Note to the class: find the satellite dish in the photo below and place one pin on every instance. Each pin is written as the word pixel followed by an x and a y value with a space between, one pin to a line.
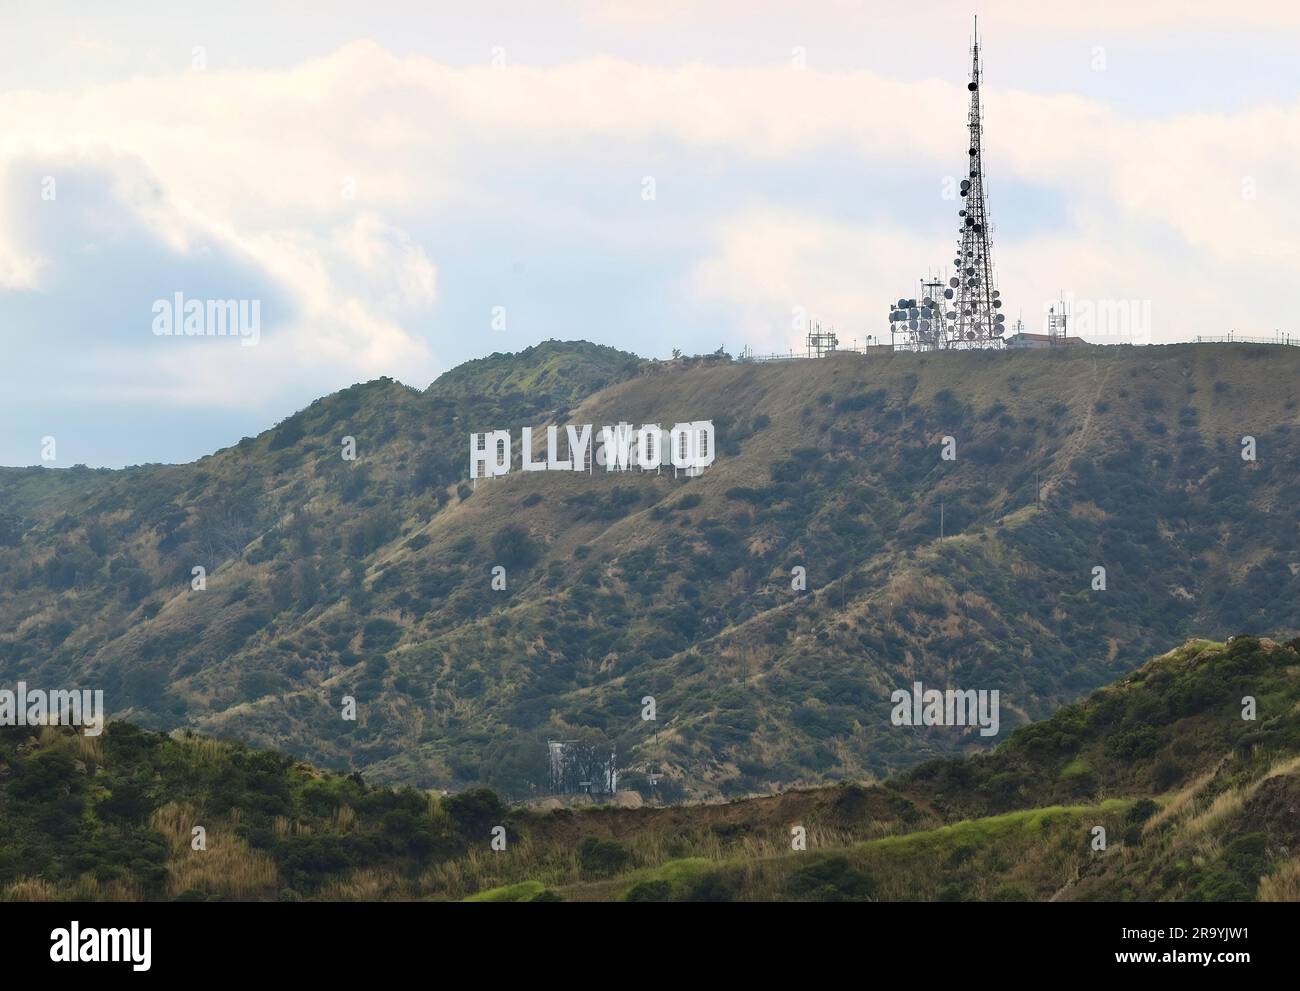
pixel 970 271
pixel 912 324
pixel 952 314
pixel 996 294
pixel 954 282
pixel 925 324
pixel 947 294
pixel 970 335
pixel 972 87
pixel 971 151
pixel 997 303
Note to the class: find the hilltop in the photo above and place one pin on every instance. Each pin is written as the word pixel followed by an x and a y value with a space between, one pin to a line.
pixel 1196 803
pixel 371 578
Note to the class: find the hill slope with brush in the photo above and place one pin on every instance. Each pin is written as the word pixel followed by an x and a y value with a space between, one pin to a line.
pixel 371 578
pixel 1197 804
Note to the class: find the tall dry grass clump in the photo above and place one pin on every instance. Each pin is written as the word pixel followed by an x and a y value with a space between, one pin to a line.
pixel 284 827
pixel 210 751
pixel 345 818
pixel 90 889
pixel 1226 804
pixel 436 811
pixel 227 868
pixel 1180 803
pixel 89 749
pixel 365 885
pixel 1283 885
pixel 31 889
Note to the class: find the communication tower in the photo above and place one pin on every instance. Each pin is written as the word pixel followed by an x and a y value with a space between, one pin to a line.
pixel 1058 319
pixel 966 312
pixel 819 342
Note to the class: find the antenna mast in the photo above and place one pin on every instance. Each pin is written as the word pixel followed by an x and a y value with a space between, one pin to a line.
pixel 968 314
pixel 978 322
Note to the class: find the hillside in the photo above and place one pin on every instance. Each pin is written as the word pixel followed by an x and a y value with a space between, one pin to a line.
pixel 1197 803
pixel 371 578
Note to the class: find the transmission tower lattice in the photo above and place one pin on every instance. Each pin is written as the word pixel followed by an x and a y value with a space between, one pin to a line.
pixel 966 313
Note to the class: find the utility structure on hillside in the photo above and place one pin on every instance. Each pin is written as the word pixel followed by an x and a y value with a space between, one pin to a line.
pixel 820 342
pixel 963 311
pixel 577 767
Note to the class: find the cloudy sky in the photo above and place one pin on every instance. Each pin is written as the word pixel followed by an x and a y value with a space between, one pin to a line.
pixel 404 186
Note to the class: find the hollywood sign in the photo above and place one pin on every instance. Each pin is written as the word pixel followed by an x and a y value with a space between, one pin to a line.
pixel 686 447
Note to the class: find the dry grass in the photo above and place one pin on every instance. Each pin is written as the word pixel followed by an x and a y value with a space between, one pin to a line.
pixel 89 889
pixel 482 868
pixel 204 751
pixel 366 885
pixel 212 751
pixel 89 749
pixel 437 813
pixel 1279 768
pixel 1283 885
pixel 1227 804
pixel 227 868
pixel 345 818
pixel 456 878
pixel 284 827
pixel 1180 803
pixel 558 865
pixel 31 889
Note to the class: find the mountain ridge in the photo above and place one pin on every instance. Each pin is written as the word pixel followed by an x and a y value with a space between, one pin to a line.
pixel 372 578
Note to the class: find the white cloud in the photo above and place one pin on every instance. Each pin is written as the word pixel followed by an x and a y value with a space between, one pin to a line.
pixel 256 162
pixel 778 268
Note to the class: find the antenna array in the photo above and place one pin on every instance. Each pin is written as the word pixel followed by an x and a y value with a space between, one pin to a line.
pixel 965 312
